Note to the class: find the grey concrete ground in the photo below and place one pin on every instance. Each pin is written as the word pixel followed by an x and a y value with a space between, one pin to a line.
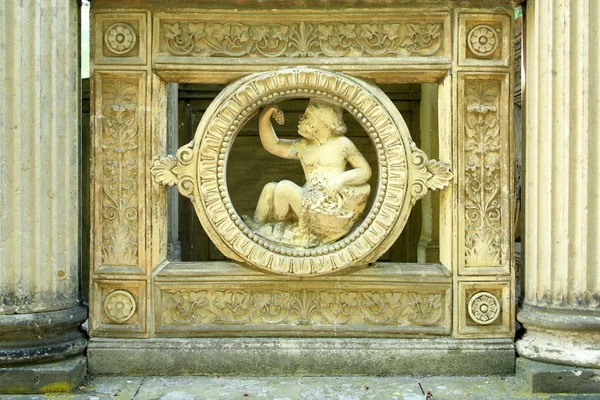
pixel 343 388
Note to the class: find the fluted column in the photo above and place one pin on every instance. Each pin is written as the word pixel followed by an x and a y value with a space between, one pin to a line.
pixel 561 312
pixel 40 309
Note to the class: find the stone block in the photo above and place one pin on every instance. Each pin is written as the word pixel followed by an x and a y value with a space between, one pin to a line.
pixel 552 378
pixel 301 357
pixel 61 376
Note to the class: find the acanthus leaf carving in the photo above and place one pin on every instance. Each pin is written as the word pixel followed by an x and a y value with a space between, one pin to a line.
pixel 300 40
pixel 429 174
pixel 482 174
pixel 170 171
pixel 162 169
pixel 119 152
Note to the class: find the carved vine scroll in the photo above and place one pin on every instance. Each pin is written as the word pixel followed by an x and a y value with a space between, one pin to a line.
pixel 299 40
pixel 404 172
pixel 400 308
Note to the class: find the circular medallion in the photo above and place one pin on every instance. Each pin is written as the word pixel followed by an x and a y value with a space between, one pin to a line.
pixel 235 106
pixel 484 308
pixel 483 40
pixel 120 38
pixel 119 306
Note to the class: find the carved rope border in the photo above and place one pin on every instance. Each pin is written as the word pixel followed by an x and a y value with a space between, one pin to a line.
pixel 404 172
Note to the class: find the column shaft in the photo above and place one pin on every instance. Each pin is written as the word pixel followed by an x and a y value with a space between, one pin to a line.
pixel 562 181
pixel 39 180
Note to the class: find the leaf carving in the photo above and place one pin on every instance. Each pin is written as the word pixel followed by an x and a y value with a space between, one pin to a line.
pixel 441 175
pixel 162 169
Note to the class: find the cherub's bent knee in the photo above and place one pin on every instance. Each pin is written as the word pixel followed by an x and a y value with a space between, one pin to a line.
pixel 285 188
pixel 270 187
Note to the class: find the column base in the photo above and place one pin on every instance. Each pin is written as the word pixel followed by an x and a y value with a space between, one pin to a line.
pixel 41 337
pixel 560 337
pixel 300 357
pixel 549 378
pixel 59 376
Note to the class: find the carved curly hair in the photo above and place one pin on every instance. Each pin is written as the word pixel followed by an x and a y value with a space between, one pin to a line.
pixel 331 115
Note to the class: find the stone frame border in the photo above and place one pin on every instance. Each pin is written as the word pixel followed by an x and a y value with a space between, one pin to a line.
pixel 200 170
pixel 449 71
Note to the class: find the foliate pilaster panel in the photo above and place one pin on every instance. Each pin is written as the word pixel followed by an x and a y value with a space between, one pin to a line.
pixel 118 179
pixel 485 40
pixel 198 38
pixel 485 185
pixel 119 307
pixel 310 309
pixel 120 38
pixel 484 310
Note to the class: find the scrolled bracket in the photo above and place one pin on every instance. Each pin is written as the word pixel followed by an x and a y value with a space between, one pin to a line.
pixel 429 174
pixel 169 170
pixel 162 170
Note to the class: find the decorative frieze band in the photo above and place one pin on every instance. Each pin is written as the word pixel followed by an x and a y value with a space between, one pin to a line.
pixel 318 309
pixel 311 37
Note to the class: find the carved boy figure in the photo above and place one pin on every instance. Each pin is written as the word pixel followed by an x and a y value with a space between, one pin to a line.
pixel 336 189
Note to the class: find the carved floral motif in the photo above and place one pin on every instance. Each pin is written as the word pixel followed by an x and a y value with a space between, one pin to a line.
pixel 302 307
pixel 482 174
pixel 484 308
pixel 208 39
pixel 120 38
pixel 483 40
pixel 119 146
pixel 119 306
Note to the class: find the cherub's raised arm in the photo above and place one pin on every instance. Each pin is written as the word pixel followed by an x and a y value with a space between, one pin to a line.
pixel 268 138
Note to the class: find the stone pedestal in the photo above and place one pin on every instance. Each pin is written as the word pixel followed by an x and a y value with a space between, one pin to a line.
pixel 561 311
pixel 40 309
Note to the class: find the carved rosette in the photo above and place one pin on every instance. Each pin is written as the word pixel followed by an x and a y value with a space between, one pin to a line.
pixel 120 38
pixel 484 308
pixel 119 306
pixel 405 174
pixel 483 40
pixel 299 40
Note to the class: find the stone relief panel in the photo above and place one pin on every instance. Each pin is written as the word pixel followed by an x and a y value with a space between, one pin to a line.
pixel 120 38
pixel 119 306
pixel 386 310
pixel 405 174
pixel 119 140
pixel 484 309
pixel 485 39
pixel 485 146
pixel 483 215
pixel 258 37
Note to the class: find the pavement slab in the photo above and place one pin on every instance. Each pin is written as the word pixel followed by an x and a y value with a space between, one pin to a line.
pixel 289 388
